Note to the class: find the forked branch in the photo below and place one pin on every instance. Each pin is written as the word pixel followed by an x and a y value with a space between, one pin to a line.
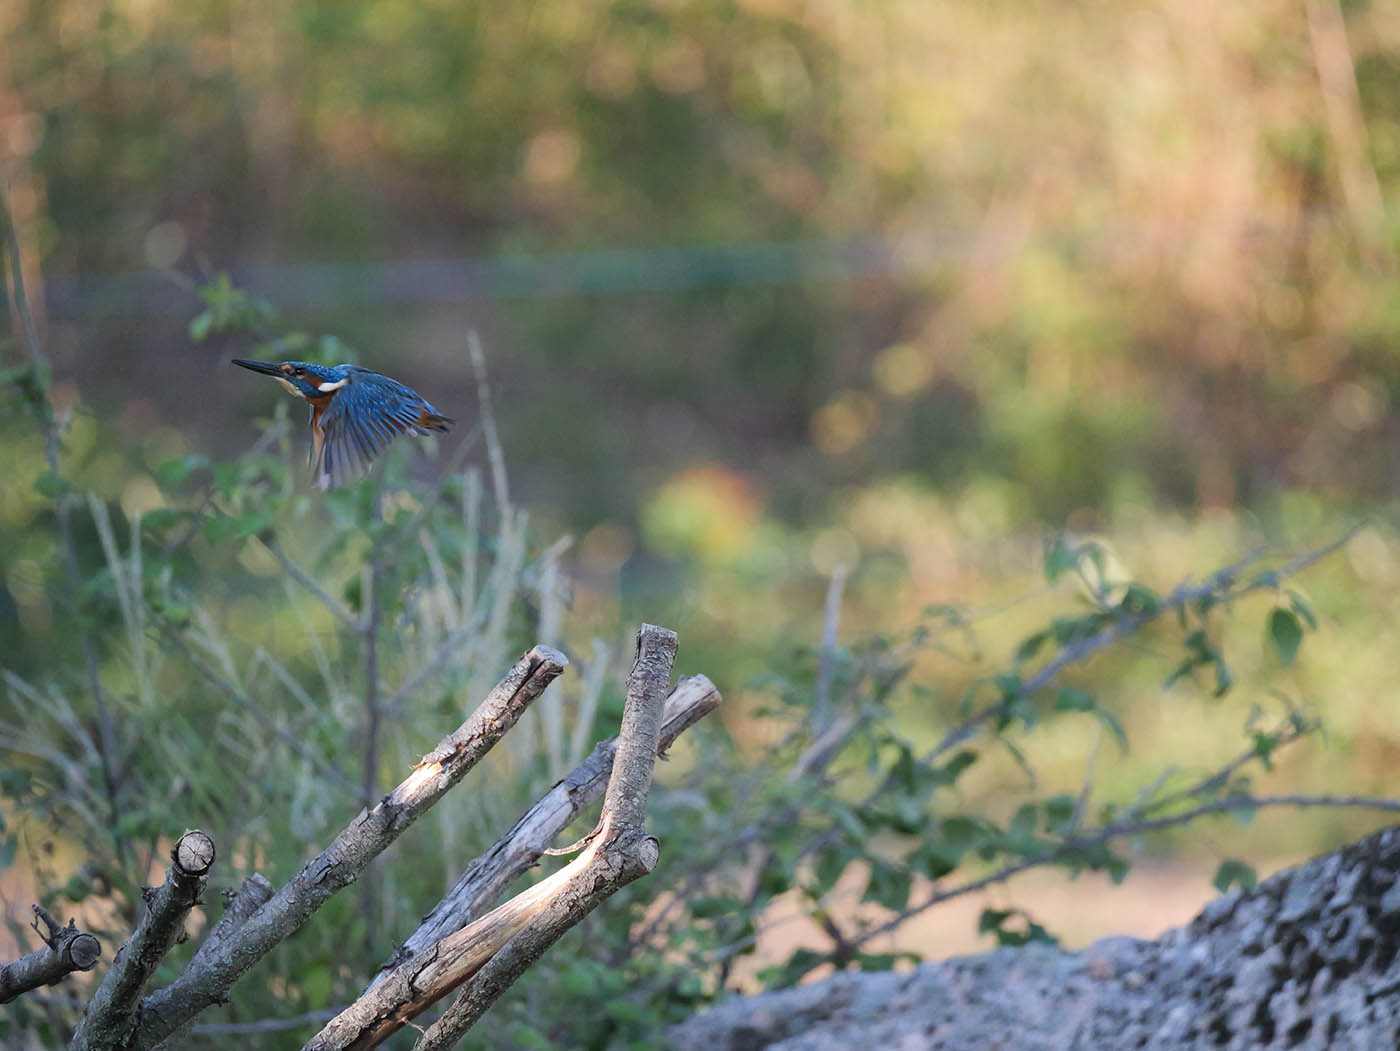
pixel 492 952
pixel 522 847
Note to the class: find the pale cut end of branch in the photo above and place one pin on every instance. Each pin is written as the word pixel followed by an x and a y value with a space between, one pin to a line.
pixel 65 950
pixel 112 1013
pixel 505 703
pixel 693 698
pixel 193 853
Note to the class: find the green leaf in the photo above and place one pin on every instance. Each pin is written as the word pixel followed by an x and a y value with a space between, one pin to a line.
pixel 1233 872
pixel 1023 822
pixel 200 327
pixel 963 833
pixel 1285 631
pixel 173 472
pixel 889 885
pixel 882 961
pixel 1031 645
pixel 774 877
pixel 1072 699
pixel 1139 601
pixel 8 849
pixel 798 964
pixel 936 860
pixel 1060 558
pixel 50 486
pixel 15 782
pixel 993 921
pixel 829 865
pixel 1264 745
pixel 1059 812
pixel 949 772
pixel 1301 607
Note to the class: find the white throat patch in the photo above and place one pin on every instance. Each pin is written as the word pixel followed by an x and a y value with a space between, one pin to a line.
pixel 328 386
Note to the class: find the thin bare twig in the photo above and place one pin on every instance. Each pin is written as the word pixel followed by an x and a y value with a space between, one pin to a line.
pixel 821 702
pixel 488 424
pixel 1120 829
pixel 312 585
pixel 370 884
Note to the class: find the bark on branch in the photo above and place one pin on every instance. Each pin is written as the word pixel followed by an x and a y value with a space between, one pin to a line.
pixel 520 849
pixel 111 1015
pixel 208 978
pixel 252 894
pixel 490 953
pixel 66 949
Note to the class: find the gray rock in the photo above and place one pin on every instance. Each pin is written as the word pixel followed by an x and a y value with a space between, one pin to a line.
pixel 1306 960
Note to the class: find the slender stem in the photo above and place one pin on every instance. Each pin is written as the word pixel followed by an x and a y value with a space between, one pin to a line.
pixel 370 887
pixel 1122 828
pixel 307 581
pixel 821 705
pixel 488 424
pixel 107 738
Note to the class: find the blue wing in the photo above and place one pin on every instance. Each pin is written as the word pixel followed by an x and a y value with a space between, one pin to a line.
pixel 360 421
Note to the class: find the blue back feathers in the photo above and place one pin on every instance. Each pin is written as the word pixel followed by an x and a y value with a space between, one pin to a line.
pixel 355 413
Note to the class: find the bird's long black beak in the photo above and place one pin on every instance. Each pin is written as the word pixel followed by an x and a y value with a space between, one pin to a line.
pixel 267 368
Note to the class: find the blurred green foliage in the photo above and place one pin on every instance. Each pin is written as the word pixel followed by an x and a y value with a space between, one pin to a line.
pixel 1087 251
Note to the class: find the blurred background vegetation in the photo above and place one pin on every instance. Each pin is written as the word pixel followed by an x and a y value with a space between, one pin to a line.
pixel 768 287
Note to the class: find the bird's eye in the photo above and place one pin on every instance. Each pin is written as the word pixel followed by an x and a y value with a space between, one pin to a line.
pixel 299 372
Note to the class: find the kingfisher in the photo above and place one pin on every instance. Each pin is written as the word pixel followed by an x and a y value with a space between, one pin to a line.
pixel 355 413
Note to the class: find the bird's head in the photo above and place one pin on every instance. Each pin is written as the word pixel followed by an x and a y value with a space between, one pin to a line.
pixel 301 378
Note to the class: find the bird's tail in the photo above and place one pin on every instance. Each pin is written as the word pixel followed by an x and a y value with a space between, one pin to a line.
pixel 432 421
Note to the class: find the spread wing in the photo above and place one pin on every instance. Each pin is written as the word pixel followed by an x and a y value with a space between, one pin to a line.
pixel 360 420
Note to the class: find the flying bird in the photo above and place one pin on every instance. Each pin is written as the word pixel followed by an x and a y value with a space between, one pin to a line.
pixel 355 413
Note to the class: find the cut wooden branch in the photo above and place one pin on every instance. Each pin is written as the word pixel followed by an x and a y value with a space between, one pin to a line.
pixel 622 852
pixel 66 949
pixel 252 894
pixel 520 849
pixel 341 863
pixel 493 951
pixel 111 1015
